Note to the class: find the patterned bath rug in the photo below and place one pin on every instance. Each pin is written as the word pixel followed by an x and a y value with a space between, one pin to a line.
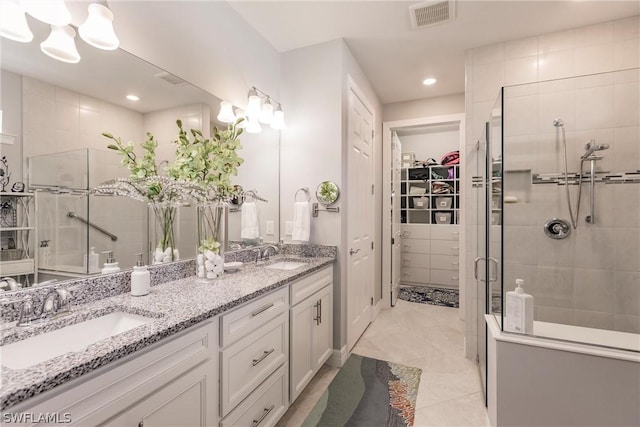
pixel 368 393
pixel 430 295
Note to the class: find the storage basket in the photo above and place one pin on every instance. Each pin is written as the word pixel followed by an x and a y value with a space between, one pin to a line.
pixel 420 202
pixel 11 254
pixel 8 217
pixel 443 202
pixel 443 217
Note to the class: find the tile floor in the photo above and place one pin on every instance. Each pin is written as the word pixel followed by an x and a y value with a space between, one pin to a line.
pixel 428 337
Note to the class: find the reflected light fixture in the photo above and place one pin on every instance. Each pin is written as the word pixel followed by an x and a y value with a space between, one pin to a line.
pixel 253 125
pixel 13 22
pixel 61 45
pixel 266 114
pixel 133 97
pixel 278 119
pixel 253 107
pixel 429 81
pixel 226 112
pixel 97 30
pixel 52 12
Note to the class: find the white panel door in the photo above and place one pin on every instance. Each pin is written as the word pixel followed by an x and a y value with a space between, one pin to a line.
pixel 396 226
pixel 360 219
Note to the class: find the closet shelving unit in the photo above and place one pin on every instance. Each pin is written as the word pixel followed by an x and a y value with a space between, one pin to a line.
pixel 419 205
pixel 18 233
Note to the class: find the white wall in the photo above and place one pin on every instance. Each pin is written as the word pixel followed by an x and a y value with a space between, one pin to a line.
pixel 608 46
pixel 432 143
pixel 438 106
pixel 314 84
pixel 11 106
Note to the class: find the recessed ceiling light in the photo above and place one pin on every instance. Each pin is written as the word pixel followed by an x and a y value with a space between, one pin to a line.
pixel 429 81
pixel 133 98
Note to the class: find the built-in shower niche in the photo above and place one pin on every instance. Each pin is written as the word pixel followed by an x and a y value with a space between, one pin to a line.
pixel 71 222
pixel 517 186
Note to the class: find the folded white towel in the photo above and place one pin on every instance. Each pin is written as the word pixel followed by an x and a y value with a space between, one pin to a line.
pixel 301 221
pixel 249 226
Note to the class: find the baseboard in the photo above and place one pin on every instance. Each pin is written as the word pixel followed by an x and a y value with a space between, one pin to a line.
pixel 377 309
pixel 338 357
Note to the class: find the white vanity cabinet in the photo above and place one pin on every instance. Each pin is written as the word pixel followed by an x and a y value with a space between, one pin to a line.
pixel 311 327
pixel 175 379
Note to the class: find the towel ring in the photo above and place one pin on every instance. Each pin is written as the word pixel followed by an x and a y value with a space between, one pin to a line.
pixel 306 191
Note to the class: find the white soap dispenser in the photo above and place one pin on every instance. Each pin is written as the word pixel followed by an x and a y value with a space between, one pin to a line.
pixel 140 279
pixel 94 261
pixel 111 266
pixel 519 310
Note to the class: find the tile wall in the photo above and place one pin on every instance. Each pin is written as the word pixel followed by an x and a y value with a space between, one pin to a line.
pixel 604 107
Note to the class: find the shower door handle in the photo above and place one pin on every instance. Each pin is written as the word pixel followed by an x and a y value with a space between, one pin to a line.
pixel 475 267
pixel 494 262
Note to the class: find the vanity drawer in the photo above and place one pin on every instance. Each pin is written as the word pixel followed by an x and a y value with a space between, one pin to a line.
pixel 264 406
pixel 415 260
pixel 445 277
pixel 445 262
pixel 415 246
pixel 248 318
pixel 307 286
pixel 445 247
pixel 415 275
pixel 445 232
pixel 245 364
pixel 415 231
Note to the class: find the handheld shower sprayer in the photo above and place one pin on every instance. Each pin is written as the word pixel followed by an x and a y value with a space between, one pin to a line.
pixel 591 146
pixel 558 123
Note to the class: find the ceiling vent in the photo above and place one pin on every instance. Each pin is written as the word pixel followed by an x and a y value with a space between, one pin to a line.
pixel 432 13
pixel 170 78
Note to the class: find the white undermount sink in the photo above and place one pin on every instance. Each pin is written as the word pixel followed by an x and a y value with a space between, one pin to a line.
pixel 72 338
pixel 287 265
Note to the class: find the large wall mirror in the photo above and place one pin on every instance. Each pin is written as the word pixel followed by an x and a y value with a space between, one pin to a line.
pixel 57 112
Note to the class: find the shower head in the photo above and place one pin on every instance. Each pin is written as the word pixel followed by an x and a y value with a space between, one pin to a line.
pixel 591 146
pixel 558 123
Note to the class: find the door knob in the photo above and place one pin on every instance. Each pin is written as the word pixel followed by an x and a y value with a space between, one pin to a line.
pixel 351 251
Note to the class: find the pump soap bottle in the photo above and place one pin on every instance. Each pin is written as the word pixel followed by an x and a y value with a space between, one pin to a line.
pixel 140 279
pixel 519 310
pixel 111 266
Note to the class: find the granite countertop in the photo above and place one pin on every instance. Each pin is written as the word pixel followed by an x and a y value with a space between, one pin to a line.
pixel 175 306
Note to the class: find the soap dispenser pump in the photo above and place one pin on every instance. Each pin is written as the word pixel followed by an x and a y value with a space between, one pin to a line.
pixel 111 265
pixel 519 310
pixel 140 278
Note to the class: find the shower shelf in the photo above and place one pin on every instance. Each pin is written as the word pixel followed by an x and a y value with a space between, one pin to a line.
pixel 602 177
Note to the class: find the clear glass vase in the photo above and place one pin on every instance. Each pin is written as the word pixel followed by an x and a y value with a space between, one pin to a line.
pixel 212 229
pixel 162 235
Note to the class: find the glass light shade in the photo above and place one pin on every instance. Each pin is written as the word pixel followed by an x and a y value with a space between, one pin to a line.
pixel 226 112
pixel 61 45
pixel 278 120
pixel 97 30
pixel 240 115
pixel 266 114
pixel 53 12
pixel 253 126
pixel 13 22
pixel 253 107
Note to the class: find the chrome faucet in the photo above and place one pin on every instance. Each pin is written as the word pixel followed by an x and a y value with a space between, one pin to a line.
pixel 55 303
pixel 271 248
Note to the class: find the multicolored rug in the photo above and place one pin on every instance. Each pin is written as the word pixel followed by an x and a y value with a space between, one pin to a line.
pixel 430 295
pixel 368 393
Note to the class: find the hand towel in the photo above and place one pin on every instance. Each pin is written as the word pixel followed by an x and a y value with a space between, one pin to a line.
pixel 249 228
pixel 301 222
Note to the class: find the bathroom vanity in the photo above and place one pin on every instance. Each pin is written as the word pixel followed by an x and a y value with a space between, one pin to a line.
pixel 235 351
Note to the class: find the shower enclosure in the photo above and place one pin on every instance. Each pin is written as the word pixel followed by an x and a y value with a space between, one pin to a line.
pixel 73 224
pixel 568 224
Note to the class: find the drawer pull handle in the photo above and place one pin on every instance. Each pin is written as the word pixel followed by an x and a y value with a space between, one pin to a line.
pixel 266 412
pixel 455 263
pixel 261 309
pixel 317 307
pixel 454 278
pixel 455 247
pixel 265 354
pixel 405 275
pixel 406 246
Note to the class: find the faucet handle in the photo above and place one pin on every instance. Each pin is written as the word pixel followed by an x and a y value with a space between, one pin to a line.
pixel 64 297
pixel 26 312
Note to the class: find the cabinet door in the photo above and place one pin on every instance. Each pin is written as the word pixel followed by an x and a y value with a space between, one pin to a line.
pixel 302 325
pixel 187 401
pixel 323 328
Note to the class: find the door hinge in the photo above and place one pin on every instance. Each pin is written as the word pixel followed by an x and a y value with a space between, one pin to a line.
pixel 393 241
pixel 373 133
pixel 372 188
pixel 371 300
pixel 371 245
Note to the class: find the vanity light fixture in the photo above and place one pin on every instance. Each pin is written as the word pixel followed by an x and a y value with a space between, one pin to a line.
pixel 52 12
pixel 429 81
pixel 13 22
pixel 61 45
pixel 97 30
pixel 226 112
pixel 133 97
pixel 263 112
